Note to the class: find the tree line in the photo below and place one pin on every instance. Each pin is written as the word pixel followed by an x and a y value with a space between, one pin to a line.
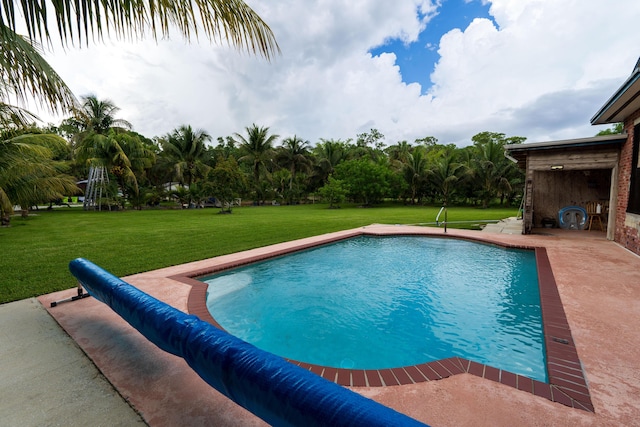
pixel 43 164
pixel 33 162
pixel 39 165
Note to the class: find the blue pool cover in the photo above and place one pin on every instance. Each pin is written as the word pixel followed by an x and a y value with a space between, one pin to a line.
pixel 279 392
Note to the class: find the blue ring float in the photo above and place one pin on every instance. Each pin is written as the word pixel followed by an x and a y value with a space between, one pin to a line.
pixel 572 218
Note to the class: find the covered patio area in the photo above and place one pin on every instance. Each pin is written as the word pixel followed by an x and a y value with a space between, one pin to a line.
pixel 571 173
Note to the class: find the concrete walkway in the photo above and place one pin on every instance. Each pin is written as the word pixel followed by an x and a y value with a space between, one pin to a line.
pixel 47 380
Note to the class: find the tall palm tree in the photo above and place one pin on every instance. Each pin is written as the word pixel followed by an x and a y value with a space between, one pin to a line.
pixel 444 174
pixel 98 116
pixel 103 142
pixel 257 151
pixel 24 74
pixel 490 169
pixel 294 155
pixel 414 171
pixel 185 150
pixel 130 157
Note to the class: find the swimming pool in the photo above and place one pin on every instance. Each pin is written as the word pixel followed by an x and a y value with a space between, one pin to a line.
pixel 374 302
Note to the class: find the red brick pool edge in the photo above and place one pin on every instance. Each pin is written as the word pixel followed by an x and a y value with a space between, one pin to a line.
pixel 567 383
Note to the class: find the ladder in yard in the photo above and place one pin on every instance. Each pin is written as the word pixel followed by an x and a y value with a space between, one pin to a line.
pixel 96 183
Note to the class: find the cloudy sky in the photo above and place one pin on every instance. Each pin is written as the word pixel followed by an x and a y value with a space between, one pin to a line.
pixel 445 68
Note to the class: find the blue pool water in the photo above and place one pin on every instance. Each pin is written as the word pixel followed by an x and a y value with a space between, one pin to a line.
pixel 385 302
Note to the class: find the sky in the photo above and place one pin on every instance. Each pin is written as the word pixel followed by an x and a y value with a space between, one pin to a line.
pixel 410 69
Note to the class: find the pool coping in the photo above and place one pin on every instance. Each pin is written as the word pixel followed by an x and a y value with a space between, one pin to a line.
pixel 567 382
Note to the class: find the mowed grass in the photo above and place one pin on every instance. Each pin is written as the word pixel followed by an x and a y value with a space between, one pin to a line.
pixel 36 250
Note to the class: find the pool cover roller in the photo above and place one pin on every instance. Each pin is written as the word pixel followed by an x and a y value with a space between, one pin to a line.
pixel 273 389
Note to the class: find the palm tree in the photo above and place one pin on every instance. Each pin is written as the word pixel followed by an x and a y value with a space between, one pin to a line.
pixel 104 142
pixel 28 173
pixel 399 151
pixel 490 170
pixel 257 151
pixel 414 171
pixel 329 154
pixel 129 161
pixel 98 116
pixel 294 155
pixel 184 151
pixel 444 175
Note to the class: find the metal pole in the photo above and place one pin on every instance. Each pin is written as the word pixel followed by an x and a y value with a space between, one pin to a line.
pixel 444 205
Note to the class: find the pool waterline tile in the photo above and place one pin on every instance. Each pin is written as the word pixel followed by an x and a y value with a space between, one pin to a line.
pixel 561 356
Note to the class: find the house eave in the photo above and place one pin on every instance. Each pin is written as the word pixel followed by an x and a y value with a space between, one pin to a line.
pixel 622 104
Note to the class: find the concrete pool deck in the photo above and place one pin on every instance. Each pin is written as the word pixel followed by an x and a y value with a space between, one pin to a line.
pixel 598 282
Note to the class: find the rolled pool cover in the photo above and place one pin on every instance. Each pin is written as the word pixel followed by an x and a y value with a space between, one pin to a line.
pixel 273 389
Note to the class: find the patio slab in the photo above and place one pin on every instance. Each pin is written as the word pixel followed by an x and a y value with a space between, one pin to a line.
pixel 46 378
pixel 598 282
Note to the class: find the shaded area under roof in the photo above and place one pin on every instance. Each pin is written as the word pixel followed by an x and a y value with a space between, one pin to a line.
pixel 623 103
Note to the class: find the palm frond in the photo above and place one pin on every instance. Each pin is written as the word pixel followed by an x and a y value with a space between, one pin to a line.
pixel 12 116
pixel 25 75
pixel 229 21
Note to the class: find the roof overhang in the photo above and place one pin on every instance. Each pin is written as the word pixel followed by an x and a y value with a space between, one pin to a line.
pixel 519 152
pixel 623 103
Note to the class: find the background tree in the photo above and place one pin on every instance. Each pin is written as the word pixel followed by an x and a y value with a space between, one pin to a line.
pixel 333 192
pixel 366 181
pixel 227 182
pixel 225 149
pixel 613 130
pixel 29 174
pixel 104 141
pixel 490 168
pixel 256 150
pixel 185 150
pixel 369 144
pixel 399 152
pixel 97 116
pixel 131 162
pixel 294 155
pixel 428 142
pixel 414 172
pixel 328 154
pixel 444 174
pixel 90 131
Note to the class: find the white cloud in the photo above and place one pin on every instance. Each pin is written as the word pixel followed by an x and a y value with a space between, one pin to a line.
pixel 550 60
pixel 541 73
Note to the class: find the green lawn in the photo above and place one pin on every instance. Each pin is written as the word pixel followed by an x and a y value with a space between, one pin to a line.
pixel 36 250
